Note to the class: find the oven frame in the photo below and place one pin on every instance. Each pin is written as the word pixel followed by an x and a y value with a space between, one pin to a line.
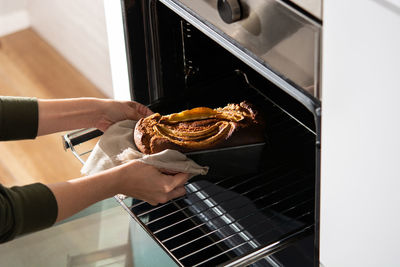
pixel 138 76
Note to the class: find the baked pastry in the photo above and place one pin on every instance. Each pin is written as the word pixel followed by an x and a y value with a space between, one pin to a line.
pixel 199 129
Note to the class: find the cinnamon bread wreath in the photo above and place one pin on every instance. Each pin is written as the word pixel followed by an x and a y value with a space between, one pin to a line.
pixel 199 129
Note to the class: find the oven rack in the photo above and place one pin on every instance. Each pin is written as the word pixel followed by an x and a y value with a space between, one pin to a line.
pixel 209 227
pixel 204 229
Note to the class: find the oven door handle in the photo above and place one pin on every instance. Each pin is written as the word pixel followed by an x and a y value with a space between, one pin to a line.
pixel 70 140
pixel 80 136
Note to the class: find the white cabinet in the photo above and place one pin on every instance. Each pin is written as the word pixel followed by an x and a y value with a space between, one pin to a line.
pixel 360 173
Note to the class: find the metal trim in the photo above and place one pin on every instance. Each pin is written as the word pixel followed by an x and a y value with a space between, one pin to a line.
pixel 270 249
pixel 243 55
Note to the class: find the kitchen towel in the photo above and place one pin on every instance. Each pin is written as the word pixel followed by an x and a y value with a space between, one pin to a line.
pixel 116 146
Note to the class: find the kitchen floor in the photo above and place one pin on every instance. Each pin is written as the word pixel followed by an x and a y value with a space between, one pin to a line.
pixel 31 67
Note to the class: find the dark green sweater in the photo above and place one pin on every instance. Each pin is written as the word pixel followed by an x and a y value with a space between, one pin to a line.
pixel 23 209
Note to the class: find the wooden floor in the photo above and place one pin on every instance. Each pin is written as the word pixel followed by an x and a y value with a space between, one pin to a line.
pixel 30 67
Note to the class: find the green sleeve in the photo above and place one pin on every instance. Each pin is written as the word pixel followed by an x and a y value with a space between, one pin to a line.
pixel 18 118
pixel 25 209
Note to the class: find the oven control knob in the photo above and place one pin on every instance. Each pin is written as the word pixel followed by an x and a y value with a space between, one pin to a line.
pixel 229 10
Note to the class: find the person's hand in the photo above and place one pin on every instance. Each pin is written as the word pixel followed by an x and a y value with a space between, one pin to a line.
pixel 114 111
pixel 75 113
pixel 147 183
pixel 133 178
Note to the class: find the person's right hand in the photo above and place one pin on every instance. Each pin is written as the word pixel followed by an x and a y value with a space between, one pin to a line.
pixel 147 183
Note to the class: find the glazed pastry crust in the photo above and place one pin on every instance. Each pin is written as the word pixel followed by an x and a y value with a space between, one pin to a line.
pixel 200 129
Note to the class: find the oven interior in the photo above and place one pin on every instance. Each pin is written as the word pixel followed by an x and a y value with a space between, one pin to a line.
pixel 268 202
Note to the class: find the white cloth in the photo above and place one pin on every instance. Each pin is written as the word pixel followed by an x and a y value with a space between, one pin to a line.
pixel 116 146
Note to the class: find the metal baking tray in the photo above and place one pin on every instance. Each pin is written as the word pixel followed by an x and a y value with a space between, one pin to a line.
pixel 230 161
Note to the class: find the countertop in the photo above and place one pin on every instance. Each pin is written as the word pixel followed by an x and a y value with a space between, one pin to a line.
pixel 97 236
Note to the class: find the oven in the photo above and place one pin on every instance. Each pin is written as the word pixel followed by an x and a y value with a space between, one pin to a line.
pixel 259 204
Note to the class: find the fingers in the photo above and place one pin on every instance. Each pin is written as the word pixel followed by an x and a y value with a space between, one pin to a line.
pixel 151 185
pixel 114 111
pixel 141 110
pixel 177 192
pixel 179 179
pixel 177 185
pixel 174 188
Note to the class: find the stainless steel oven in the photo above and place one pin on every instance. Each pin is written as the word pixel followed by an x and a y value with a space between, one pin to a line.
pixel 180 54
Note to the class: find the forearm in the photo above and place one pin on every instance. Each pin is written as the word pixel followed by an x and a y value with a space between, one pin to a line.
pixel 68 114
pixel 134 179
pixel 18 118
pixel 22 210
pixel 77 194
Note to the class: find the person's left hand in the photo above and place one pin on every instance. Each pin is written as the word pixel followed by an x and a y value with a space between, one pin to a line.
pixel 114 111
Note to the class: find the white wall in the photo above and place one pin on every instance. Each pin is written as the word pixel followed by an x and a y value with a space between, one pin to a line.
pixel 77 30
pixel 116 42
pixel 7 6
pixel 360 172
pixel 13 16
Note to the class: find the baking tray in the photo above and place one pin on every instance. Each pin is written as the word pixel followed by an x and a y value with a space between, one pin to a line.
pixel 231 161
